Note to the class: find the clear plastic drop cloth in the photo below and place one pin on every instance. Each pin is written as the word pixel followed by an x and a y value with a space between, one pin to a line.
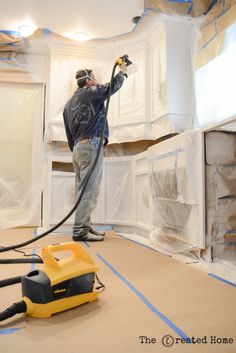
pixel 175 189
pixel 221 195
pixel 63 201
pixel 143 200
pixel 216 82
pixel 119 194
pixel 131 97
pixel 157 191
pixel 21 156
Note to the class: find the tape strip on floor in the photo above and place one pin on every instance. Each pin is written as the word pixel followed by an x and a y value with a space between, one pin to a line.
pixel 167 321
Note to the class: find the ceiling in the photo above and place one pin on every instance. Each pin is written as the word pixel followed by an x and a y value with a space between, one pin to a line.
pixel 97 18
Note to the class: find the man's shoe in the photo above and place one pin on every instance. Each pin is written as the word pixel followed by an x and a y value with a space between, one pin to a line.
pixel 87 237
pixel 96 232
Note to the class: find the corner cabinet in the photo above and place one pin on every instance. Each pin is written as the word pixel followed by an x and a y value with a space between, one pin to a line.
pixel 171 87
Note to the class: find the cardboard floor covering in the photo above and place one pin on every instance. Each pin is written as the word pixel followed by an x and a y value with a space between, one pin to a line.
pixel 152 303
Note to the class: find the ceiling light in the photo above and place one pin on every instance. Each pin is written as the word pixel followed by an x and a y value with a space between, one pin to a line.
pixel 80 36
pixel 26 30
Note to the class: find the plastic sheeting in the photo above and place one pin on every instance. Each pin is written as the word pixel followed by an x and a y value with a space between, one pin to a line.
pixel 175 191
pixel 195 8
pixel 130 99
pixel 215 84
pixel 63 201
pixel 119 194
pixel 21 154
pixel 221 194
pixel 158 191
pixel 213 36
pixel 11 41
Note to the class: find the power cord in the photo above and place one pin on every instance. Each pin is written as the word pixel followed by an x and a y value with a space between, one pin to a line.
pixel 22 260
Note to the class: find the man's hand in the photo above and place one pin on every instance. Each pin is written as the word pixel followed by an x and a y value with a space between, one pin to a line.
pixel 123 68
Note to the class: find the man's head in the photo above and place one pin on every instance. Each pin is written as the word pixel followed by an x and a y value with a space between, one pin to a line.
pixel 85 78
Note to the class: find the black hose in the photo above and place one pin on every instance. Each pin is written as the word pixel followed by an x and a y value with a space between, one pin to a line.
pixel 9 281
pixel 21 261
pixel 14 309
pixel 83 184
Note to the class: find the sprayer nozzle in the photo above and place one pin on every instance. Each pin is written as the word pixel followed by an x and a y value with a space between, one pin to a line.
pixel 123 59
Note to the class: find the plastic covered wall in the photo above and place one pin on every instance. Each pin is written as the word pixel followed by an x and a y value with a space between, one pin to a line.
pixel 21 154
pixel 215 77
pixel 221 194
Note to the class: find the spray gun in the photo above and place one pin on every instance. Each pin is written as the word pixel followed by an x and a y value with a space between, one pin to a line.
pixel 124 59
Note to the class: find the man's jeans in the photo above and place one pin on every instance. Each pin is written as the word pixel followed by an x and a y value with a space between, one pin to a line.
pixel 83 156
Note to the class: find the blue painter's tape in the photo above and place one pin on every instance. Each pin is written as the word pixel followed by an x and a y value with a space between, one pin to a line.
pixel 227 243
pixel 222 279
pixel 151 9
pixel 190 8
pixel 10 44
pixel 180 1
pixel 143 245
pixel 169 154
pixel 103 227
pixel 11 33
pixel 9 331
pixel 168 322
pixel 85 242
pixel 46 32
pixel 211 6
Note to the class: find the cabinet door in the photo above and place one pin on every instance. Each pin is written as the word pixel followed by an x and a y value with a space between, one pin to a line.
pixel 131 98
pixel 142 191
pixel 119 194
pixel 158 73
pixel 21 124
pixel 62 197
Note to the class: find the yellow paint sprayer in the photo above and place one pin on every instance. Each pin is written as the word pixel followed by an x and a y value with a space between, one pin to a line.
pixel 60 285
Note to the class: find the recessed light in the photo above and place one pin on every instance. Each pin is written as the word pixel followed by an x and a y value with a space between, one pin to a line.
pixel 26 30
pixel 80 36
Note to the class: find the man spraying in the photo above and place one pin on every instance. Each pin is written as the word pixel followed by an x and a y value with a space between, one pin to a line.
pixel 84 118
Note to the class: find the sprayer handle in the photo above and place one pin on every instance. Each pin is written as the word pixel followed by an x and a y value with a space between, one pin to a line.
pixel 77 251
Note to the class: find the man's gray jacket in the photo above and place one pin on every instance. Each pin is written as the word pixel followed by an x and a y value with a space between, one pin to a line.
pixel 84 113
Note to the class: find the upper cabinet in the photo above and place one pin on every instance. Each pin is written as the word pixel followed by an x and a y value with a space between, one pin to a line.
pixel 129 104
pixel 157 99
pixel 171 85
